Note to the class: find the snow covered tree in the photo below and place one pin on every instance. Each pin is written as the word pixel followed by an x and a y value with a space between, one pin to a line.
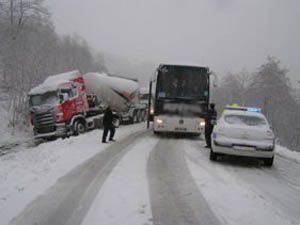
pixel 30 50
pixel 269 88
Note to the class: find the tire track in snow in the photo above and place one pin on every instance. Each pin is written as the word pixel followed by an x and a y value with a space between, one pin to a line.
pixel 174 196
pixel 124 197
pixel 67 202
pixel 275 201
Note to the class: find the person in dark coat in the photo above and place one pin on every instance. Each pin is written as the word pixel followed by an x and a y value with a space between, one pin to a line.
pixel 108 125
pixel 209 125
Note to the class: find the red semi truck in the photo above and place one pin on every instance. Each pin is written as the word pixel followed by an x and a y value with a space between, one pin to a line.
pixel 71 103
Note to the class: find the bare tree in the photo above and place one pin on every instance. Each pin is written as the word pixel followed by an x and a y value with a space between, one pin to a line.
pixel 30 50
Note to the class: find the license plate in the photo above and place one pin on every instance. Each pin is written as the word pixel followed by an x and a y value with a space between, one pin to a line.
pixel 180 129
pixel 244 148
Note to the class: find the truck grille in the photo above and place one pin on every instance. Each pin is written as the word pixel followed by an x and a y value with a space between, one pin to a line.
pixel 44 122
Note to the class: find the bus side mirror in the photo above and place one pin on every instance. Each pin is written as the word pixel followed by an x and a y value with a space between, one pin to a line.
pixel 215 82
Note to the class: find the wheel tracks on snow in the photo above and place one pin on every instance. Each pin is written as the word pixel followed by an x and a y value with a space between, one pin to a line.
pixel 68 201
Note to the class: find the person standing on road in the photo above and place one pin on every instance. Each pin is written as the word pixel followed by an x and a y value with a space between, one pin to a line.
pixel 108 125
pixel 211 117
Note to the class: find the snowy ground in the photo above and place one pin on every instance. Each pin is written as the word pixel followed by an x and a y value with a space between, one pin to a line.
pixel 28 173
pixel 245 192
pixel 10 137
pixel 144 179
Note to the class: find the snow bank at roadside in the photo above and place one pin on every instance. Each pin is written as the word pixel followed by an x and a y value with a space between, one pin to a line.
pixel 287 153
pixel 28 173
pixel 10 136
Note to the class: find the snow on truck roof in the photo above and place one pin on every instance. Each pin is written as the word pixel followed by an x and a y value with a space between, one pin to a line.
pixel 116 82
pixel 53 82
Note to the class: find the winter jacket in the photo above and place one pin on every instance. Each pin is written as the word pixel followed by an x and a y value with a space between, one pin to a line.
pixel 108 118
pixel 211 115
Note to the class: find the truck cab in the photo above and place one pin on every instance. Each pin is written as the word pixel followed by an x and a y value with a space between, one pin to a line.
pixel 59 106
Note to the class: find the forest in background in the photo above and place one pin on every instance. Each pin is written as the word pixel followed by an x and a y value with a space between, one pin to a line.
pixel 31 50
pixel 270 89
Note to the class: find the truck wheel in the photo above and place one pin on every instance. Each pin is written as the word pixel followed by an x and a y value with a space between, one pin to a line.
pixel 79 127
pixel 143 115
pixel 139 116
pixel 134 118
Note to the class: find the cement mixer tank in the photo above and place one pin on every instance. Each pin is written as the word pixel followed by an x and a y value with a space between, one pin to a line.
pixel 121 94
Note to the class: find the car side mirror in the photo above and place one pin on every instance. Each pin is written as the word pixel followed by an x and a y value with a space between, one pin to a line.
pixel 213 122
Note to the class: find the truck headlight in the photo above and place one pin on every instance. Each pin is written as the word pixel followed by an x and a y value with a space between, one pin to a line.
pixel 59 117
pixel 202 124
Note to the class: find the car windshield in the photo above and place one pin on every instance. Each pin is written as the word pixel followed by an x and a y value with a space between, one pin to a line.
pixel 49 98
pixel 245 120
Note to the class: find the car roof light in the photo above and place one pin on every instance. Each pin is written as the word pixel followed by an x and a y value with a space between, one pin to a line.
pixel 241 108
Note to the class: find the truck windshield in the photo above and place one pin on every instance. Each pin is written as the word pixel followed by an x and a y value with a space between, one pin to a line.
pixel 182 82
pixel 49 98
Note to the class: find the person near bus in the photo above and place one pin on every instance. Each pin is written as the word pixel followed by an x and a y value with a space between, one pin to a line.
pixel 210 120
pixel 108 119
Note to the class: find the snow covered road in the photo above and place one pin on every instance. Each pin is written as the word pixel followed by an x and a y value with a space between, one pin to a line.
pixel 175 198
pixel 145 179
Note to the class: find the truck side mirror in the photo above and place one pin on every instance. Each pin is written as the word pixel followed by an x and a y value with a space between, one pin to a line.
pixel 63 97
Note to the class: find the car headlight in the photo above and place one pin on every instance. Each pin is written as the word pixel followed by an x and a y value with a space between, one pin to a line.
pixel 270 134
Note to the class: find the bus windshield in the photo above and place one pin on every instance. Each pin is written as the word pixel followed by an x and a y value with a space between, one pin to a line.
pixel 182 82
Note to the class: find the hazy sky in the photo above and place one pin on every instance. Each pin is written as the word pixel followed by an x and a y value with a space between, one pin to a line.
pixel 226 35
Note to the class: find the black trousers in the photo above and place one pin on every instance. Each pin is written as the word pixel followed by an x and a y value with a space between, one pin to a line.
pixel 111 131
pixel 208 131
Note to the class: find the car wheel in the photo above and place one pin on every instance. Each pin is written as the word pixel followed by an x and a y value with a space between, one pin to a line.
pixel 269 161
pixel 212 155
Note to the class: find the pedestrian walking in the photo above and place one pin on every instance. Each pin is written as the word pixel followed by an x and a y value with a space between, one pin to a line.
pixel 210 119
pixel 108 125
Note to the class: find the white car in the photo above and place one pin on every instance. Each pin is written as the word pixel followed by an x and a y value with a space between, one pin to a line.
pixel 243 132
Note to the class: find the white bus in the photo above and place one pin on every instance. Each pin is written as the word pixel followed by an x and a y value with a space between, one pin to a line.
pixel 179 99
